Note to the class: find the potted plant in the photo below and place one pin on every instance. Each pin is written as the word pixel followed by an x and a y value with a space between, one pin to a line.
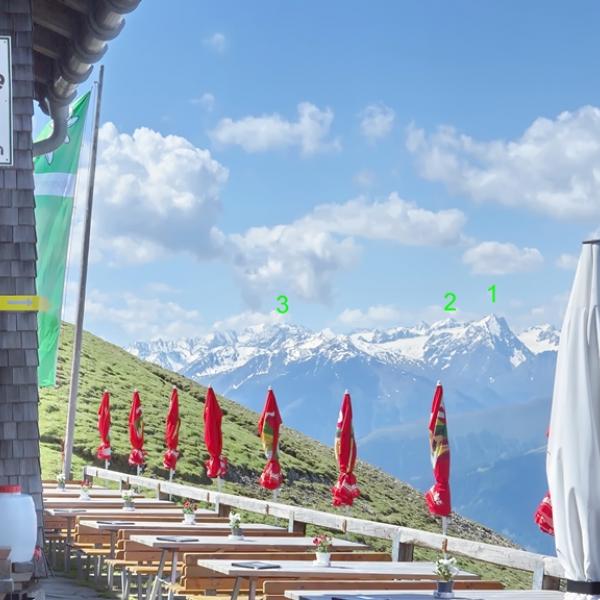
pixel 84 492
pixel 235 522
pixel 189 512
pixel 60 481
pixel 445 569
pixel 322 545
pixel 127 496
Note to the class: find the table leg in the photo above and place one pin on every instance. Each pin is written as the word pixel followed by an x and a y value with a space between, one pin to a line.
pixel 67 555
pixel 236 588
pixel 252 588
pixel 153 591
pixel 113 543
pixel 173 574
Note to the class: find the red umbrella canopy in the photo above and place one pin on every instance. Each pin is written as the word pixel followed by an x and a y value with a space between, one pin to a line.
pixel 216 465
pixel 543 515
pixel 104 450
pixel 345 491
pixel 172 432
pixel 268 430
pixel 438 497
pixel 136 431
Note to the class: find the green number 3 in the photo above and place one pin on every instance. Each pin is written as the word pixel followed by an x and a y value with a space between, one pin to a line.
pixel 283 300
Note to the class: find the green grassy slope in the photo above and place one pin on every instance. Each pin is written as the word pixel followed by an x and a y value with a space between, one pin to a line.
pixel 309 466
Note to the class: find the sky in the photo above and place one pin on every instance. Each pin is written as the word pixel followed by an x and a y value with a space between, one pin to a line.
pixel 362 159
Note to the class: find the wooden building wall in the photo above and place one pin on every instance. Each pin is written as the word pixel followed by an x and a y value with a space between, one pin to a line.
pixel 19 431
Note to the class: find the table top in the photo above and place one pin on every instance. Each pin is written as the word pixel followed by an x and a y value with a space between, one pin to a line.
pixel 132 524
pixel 249 543
pixel 67 502
pixel 422 595
pixel 339 569
pixel 75 492
pixel 131 515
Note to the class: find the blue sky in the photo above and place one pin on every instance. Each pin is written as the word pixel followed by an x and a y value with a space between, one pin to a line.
pixel 390 152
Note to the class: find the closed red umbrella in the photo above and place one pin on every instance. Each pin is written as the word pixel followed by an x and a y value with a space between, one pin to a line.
pixel 104 450
pixel 438 497
pixel 136 432
pixel 268 430
pixel 172 434
pixel 543 515
pixel 345 491
pixel 216 465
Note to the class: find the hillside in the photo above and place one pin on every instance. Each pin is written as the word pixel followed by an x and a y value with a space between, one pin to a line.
pixel 309 466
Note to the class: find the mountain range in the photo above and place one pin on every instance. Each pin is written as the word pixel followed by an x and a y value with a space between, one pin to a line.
pixel 497 389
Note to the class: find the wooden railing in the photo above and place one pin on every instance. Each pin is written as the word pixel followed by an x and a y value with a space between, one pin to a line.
pixel 546 570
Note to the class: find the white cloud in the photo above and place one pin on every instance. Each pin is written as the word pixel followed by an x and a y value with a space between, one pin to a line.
pixel 567 262
pixel 380 315
pixel 155 195
pixel 301 258
pixel 364 178
pixel 217 42
pixel 310 132
pixel 248 319
pixel 553 168
pixel 376 121
pixel 289 259
pixel 496 258
pixel 159 287
pixel 393 219
pixel 143 317
pixel 206 101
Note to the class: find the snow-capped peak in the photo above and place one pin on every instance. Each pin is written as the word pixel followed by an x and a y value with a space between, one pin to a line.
pixel 541 338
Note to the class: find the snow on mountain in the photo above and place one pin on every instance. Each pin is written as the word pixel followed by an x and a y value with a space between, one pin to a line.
pixel 541 338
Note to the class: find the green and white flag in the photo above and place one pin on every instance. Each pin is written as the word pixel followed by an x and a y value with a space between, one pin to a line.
pixel 55 175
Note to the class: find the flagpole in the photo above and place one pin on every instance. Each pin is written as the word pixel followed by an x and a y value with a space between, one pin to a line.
pixel 72 407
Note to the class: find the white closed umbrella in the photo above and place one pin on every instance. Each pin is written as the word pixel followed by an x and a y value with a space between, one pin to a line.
pixel 573 460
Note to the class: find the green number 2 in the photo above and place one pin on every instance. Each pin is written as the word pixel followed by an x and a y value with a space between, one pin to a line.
pixel 492 289
pixel 452 299
pixel 283 300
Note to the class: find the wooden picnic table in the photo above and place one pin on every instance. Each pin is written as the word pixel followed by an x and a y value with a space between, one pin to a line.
pixel 297 569
pixel 423 595
pixel 178 528
pixel 66 502
pixel 94 493
pixel 176 544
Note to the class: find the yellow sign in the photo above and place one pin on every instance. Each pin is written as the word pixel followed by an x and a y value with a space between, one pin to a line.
pixel 23 303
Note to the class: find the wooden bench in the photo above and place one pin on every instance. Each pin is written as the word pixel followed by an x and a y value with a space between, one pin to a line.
pixel 197 580
pixel 275 589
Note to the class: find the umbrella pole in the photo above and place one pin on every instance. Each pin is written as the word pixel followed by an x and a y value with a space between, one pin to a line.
pixel 219 484
pixel 275 494
pixel 171 473
pixel 444 532
pixel 106 464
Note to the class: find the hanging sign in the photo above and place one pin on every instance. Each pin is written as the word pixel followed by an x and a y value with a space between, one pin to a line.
pixel 6 111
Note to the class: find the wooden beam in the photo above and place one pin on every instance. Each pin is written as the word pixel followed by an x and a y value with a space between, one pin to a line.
pixel 56 17
pixel 48 43
pixel 81 6
pixel 43 68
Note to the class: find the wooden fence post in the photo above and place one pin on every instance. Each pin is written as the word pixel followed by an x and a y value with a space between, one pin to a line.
pixel 296 526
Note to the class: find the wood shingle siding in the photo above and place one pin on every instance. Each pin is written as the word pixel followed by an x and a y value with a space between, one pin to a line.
pixel 19 433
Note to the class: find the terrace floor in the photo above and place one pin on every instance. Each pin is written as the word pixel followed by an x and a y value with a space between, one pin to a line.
pixel 59 588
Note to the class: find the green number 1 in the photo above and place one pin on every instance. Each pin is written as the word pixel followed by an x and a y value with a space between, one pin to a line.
pixel 492 289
